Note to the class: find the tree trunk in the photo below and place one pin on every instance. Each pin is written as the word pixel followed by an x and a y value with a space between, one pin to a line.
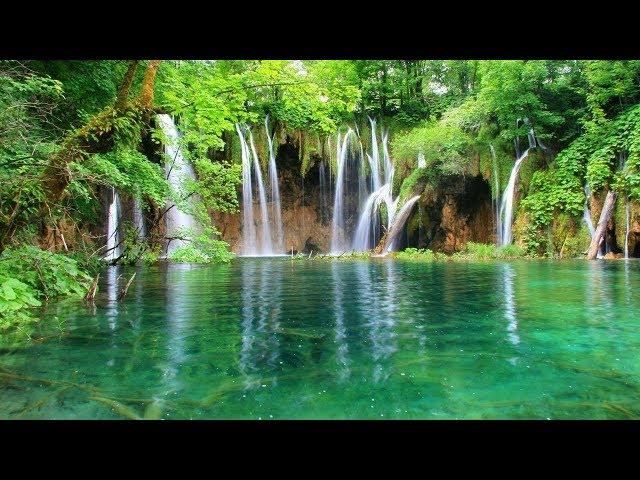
pixel 605 215
pixel 145 100
pixel 125 87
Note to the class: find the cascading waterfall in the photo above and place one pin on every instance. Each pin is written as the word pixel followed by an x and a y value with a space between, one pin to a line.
pixel 114 246
pixel 371 194
pixel 627 225
pixel 496 200
pixel 338 243
pixel 276 212
pixel 622 162
pixel 506 206
pixel 250 238
pixel 586 214
pixel 422 162
pixel 178 170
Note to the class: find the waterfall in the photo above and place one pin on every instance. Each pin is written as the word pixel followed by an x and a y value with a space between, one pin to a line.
pixel 114 246
pixel 138 219
pixel 496 200
pixel 361 240
pixel 372 192
pixel 627 224
pixel 276 212
pixel 178 170
pixel 586 214
pixel 249 157
pixel 506 206
pixel 422 162
pixel 338 243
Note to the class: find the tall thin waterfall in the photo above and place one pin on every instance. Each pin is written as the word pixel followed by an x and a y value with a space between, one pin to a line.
pixel 586 214
pixel 252 244
pixel 506 206
pixel 178 171
pixel 276 212
pixel 627 225
pixel 496 200
pixel 114 247
pixel 622 162
pixel 338 242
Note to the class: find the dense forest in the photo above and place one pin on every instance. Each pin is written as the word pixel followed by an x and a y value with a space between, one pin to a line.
pixel 72 131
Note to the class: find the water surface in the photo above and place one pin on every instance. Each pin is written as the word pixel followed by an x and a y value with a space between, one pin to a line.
pixel 275 339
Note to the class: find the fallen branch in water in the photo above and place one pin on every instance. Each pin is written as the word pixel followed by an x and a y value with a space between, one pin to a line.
pixel 118 407
pixel 92 289
pixel 124 291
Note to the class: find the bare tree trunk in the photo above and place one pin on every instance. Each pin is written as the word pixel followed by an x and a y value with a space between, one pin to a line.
pixel 605 215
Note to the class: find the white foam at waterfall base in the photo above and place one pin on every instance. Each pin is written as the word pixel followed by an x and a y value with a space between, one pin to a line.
pixel 178 171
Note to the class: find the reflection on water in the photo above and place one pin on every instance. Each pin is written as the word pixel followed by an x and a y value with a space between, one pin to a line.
pixel 509 304
pixel 272 338
pixel 340 335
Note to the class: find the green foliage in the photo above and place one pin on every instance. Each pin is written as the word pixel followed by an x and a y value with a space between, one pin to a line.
pixel 128 170
pixel 488 251
pixel 29 276
pixel 472 251
pixel 445 147
pixel 411 253
pixel 201 248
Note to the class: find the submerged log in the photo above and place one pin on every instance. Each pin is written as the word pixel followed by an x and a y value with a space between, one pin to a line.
pixel 605 215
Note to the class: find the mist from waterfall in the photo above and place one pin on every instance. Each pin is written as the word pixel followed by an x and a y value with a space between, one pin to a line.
pixel 178 172
pixel 114 245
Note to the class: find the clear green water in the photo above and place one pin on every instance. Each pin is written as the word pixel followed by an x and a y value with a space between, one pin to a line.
pixel 268 338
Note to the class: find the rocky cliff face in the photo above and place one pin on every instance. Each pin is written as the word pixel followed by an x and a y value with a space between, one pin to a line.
pixel 458 210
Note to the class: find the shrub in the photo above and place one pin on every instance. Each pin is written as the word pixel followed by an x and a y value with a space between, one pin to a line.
pixel 29 276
